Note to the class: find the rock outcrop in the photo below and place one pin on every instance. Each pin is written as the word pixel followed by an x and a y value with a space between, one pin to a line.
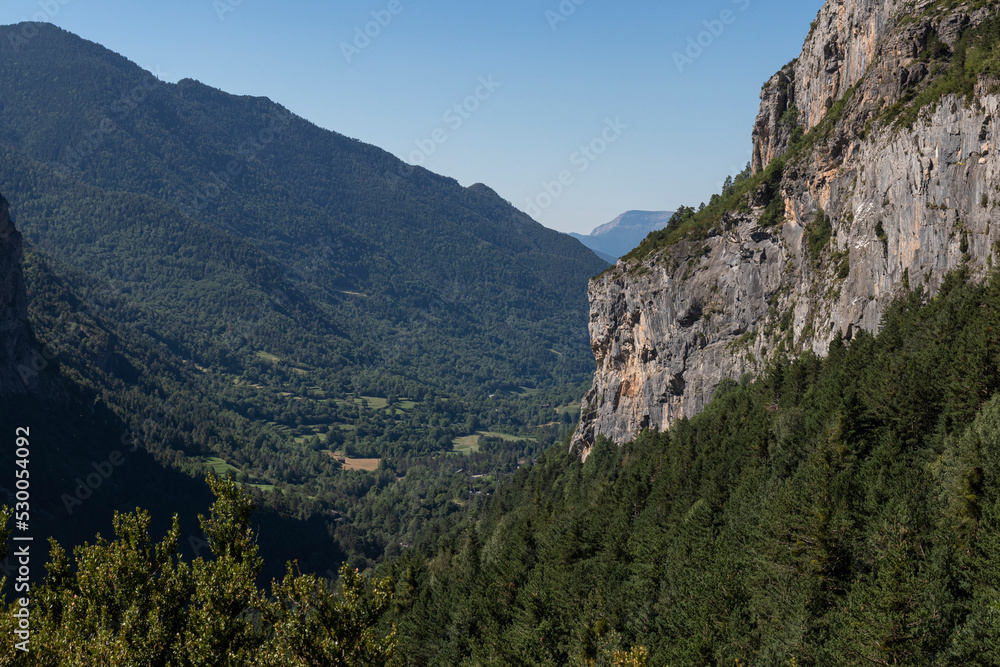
pixel 18 368
pixel 873 205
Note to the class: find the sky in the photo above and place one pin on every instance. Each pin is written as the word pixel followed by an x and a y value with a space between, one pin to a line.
pixel 575 111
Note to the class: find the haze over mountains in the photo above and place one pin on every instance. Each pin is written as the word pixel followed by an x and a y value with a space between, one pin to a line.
pixel 616 238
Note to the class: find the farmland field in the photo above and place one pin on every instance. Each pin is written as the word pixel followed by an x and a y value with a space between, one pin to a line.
pixel 470 443
pixel 466 444
pixel 220 467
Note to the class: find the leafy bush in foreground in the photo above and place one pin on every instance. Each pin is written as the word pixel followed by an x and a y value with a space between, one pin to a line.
pixel 132 601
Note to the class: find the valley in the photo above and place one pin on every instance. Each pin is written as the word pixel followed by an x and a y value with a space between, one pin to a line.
pixel 295 401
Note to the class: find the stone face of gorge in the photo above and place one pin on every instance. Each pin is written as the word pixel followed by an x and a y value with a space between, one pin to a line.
pixel 663 336
pixel 842 43
pixel 906 206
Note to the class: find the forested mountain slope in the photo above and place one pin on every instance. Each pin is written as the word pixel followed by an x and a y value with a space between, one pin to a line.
pixel 234 290
pixel 98 378
pixel 165 187
pixel 837 511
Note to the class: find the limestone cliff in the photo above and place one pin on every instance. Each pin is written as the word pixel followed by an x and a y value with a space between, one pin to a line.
pixel 18 370
pixel 885 184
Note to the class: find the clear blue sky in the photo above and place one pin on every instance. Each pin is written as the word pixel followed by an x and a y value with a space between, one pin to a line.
pixel 564 69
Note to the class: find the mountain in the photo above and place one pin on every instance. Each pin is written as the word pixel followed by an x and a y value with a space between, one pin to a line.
pixel 819 483
pixel 614 239
pixel 874 154
pixel 233 290
pixel 192 187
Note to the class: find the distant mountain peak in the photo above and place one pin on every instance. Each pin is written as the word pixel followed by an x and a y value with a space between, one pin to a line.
pixel 616 238
pixel 634 221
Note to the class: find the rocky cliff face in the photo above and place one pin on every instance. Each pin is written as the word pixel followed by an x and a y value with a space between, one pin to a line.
pixel 872 206
pixel 18 373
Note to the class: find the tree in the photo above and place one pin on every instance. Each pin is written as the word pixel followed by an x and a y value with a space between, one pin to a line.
pixel 135 602
pixel 316 626
pixel 727 186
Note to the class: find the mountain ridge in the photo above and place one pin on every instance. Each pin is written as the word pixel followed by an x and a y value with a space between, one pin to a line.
pixel 21 362
pixel 234 162
pixel 244 293
pixel 614 239
pixel 14 334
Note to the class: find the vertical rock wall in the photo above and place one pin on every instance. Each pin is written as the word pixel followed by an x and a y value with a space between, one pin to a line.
pixel 906 205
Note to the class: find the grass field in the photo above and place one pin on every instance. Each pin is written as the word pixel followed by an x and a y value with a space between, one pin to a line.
pixel 263 487
pixel 220 467
pixel 402 406
pixel 572 407
pixel 367 465
pixel 503 436
pixel 466 444
pixel 470 443
pixel 374 402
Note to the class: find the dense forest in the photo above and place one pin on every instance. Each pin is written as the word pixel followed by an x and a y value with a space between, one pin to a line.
pixel 837 511
pixel 125 390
